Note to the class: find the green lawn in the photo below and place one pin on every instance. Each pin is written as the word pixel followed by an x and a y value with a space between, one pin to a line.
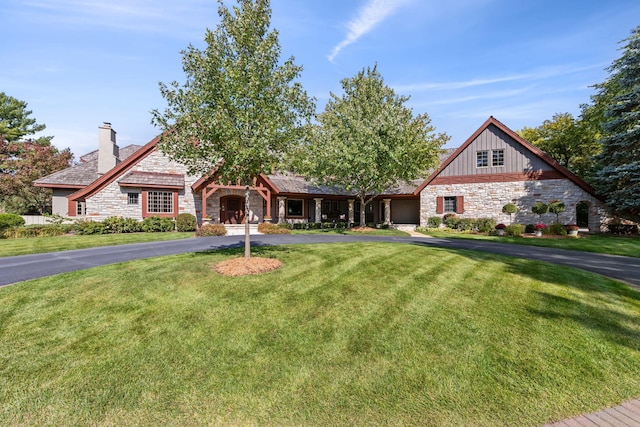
pixel 342 334
pixel 600 243
pixel 33 245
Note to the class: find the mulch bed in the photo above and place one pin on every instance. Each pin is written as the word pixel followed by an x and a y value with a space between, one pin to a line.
pixel 245 266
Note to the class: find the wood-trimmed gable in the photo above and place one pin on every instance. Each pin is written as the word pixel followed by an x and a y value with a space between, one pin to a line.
pixel 559 170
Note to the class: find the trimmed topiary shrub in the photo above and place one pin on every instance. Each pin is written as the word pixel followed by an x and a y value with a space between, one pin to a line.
pixel 269 228
pixel 208 230
pixel 514 230
pixel 8 220
pixel 434 222
pixel 510 209
pixel 186 222
pixel 157 224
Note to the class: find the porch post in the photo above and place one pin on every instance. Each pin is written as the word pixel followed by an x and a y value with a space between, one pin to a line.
pixel 318 209
pixel 352 211
pixel 387 211
pixel 281 209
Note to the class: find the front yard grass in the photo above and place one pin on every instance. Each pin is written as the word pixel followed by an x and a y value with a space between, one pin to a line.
pixel 599 243
pixel 342 334
pixel 34 245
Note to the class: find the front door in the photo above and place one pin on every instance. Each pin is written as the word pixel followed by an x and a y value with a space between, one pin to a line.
pixel 232 210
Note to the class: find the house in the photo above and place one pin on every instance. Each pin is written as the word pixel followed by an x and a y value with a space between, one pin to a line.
pixel 493 167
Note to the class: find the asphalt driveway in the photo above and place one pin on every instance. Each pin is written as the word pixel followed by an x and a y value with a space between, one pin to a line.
pixel 26 267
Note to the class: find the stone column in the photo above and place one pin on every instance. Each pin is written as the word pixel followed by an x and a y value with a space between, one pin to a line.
pixel 351 211
pixel 387 211
pixel 281 209
pixel 318 217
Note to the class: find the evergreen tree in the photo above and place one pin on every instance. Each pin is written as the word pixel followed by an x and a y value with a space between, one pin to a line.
pixel 618 172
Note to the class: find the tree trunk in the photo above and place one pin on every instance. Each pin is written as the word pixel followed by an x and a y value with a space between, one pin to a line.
pixel 247 238
pixel 363 211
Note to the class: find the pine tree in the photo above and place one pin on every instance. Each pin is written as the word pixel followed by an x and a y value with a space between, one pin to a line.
pixel 618 174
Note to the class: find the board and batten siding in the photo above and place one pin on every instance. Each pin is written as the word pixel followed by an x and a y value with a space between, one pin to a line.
pixel 517 159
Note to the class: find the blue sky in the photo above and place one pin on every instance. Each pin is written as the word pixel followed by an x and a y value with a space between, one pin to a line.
pixel 78 63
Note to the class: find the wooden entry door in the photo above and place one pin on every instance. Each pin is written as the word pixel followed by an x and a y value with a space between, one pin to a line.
pixel 232 210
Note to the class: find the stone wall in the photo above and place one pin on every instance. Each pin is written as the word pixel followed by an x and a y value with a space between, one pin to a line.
pixel 112 199
pixel 485 200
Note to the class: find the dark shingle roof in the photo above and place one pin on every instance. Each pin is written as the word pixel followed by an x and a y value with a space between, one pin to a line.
pixel 84 173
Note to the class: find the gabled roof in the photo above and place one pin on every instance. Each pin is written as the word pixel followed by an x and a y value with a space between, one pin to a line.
pixel 113 173
pixel 492 121
pixel 82 174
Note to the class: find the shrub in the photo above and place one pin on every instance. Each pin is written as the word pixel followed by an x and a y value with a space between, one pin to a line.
pixel 466 224
pixel 208 230
pixel 434 222
pixel 155 224
pixel 557 229
pixel 328 225
pixel 186 222
pixel 485 225
pixel 269 228
pixel 514 230
pixel 510 209
pixel 623 228
pixel 86 228
pixel 34 231
pixel 8 220
pixel 285 225
pixel 450 220
pixel 117 225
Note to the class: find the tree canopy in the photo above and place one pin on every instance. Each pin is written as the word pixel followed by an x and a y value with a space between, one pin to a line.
pixel 569 141
pixel 367 140
pixel 618 164
pixel 240 109
pixel 22 161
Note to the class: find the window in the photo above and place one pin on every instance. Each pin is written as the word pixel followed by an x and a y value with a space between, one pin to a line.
pixel 81 208
pixel 497 158
pixel 159 202
pixel 482 159
pixel 294 207
pixel 450 204
pixel 132 198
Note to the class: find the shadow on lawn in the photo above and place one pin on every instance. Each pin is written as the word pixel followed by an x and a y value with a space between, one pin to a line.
pixel 612 324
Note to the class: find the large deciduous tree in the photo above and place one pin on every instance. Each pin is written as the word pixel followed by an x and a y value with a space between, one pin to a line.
pixel 367 140
pixel 22 161
pixel 240 109
pixel 569 141
pixel 618 164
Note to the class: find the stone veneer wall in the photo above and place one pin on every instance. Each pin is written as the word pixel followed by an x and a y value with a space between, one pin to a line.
pixel 112 199
pixel 485 200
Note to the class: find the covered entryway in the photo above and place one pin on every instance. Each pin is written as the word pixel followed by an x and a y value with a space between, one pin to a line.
pixel 232 210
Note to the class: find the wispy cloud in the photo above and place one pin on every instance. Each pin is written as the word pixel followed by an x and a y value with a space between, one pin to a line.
pixel 373 12
pixel 540 74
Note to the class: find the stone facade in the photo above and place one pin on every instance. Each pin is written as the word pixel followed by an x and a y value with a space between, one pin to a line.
pixel 112 199
pixel 256 211
pixel 485 200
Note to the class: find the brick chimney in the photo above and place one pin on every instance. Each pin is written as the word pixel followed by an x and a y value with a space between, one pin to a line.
pixel 108 151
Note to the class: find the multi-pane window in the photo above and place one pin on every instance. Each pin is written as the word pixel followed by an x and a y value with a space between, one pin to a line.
pixel 81 208
pixel 294 207
pixel 497 158
pixel 450 204
pixel 159 202
pixel 132 198
pixel 482 159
